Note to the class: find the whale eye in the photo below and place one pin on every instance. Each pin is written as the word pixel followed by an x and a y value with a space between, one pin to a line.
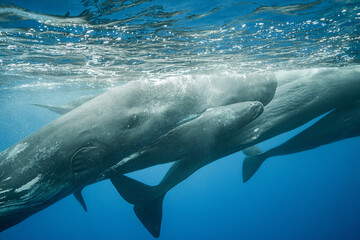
pixel 86 158
pixel 133 121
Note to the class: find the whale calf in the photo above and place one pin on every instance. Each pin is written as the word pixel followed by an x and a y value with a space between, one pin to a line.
pixel 76 149
pixel 198 136
pixel 340 124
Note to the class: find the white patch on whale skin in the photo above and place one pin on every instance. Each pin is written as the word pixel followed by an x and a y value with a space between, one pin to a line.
pixel 28 185
pixel 42 154
pixel 5 191
pixel 257 134
pixel 8 178
pixel 46 152
pixel 16 150
pixel 127 159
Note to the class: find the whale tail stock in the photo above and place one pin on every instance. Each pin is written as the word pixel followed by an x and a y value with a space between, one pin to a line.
pixel 254 159
pixel 147 205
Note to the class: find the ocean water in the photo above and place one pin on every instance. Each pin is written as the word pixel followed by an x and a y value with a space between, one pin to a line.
pixel 53 52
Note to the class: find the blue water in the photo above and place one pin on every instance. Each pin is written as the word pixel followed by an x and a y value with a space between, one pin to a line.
pixel 55 51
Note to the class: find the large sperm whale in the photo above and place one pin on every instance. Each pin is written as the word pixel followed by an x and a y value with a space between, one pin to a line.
pixel 77 148
pixel 340 124
pixel 313 93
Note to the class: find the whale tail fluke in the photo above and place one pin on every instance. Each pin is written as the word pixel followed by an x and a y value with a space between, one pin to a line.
pixel 150 214
pixel 67 107
pixel 147 204
pixel 60 110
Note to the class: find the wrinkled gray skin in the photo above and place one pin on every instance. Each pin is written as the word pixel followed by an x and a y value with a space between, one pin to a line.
pixel 75 149
pixel 313 93
pixel 340 124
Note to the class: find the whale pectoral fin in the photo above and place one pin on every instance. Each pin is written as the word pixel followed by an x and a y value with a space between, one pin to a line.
pixel 251 164
pixel 253 150
pixel 254 158
pixel 147 206
pixel 60 110
pixel 79 197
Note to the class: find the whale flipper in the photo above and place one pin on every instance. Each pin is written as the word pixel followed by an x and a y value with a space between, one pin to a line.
pixel 147 206
pixel 253 150
pixel 251 164
pixel 79 197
